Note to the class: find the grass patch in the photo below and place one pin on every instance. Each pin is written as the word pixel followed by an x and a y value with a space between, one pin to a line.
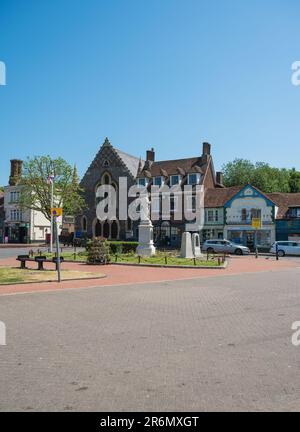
pixel 161 259
pixel 10 275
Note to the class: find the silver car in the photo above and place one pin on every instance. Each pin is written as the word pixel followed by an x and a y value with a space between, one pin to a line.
pixel 224 246
pixel 286 248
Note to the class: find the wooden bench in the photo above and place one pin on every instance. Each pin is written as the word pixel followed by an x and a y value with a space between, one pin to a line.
pixel 40 260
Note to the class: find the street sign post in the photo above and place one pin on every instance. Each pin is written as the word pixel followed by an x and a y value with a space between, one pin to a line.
pixel 256 224
pixel 56 212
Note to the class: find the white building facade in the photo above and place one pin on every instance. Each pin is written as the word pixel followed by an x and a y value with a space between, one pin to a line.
pixel 247 204
pixel 22 225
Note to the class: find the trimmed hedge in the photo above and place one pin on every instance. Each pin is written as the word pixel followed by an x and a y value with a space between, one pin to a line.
pixel 118 247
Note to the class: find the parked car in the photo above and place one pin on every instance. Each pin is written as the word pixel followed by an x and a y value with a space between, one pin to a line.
pixel 224 246
pixel 286 248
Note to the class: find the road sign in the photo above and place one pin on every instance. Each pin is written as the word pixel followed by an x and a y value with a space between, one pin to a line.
pixel 256 223
pixel 56 211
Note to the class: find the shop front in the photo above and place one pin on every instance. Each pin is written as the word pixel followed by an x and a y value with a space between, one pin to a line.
pixel 16 233
pixel 248 236
pixel 211 232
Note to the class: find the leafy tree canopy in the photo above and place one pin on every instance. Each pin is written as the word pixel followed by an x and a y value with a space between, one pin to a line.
pixel 261 175
pixel 36 192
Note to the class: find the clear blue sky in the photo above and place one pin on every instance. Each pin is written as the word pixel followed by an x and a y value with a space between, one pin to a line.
pixel 163 73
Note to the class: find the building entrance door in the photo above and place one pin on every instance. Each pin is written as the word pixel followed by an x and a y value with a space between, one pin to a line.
pixel 250 239
pixel 23 235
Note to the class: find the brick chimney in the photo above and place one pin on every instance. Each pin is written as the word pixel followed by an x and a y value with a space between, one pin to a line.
pixel 219 177
pixel 15 171
pixel 206 148
pixel 150 155
pixel 205 152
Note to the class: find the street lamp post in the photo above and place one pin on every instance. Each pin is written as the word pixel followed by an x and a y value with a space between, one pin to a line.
pixel 50 181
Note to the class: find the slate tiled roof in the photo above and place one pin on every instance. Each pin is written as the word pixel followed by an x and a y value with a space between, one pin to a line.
pixel 171 167
pixel 131 162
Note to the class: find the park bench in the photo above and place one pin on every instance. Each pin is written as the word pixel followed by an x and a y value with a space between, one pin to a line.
pixel 40 259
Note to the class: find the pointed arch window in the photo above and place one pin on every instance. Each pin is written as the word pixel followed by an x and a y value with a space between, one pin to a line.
pixel 84 223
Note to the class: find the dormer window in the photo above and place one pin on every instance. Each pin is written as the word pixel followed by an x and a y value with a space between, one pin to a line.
pixel 158 181
pixel 142 182
pixel 194 179
pixel 175 179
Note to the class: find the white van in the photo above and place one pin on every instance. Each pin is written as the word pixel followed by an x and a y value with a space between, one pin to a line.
pixel 286 248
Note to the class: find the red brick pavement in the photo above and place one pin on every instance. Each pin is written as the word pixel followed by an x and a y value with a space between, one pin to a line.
pixel 122 275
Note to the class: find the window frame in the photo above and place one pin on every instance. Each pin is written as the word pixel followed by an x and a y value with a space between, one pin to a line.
pixel 171 179
pixel 198 178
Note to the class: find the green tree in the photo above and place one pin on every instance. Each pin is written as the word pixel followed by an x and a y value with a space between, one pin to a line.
pixel 270 179
pixel 36 192
pixel 261 175
pixel 294 180
pixel 238 173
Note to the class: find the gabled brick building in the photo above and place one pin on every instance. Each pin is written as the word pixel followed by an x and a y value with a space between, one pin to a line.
pixel 110 164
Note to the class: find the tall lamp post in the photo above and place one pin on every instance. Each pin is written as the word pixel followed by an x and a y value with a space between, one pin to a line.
pixel 50 181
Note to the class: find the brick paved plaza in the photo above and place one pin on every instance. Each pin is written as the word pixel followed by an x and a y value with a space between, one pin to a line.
pixel 212 340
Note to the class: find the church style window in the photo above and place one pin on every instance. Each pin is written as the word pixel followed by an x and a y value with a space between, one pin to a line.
pixel 84 223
